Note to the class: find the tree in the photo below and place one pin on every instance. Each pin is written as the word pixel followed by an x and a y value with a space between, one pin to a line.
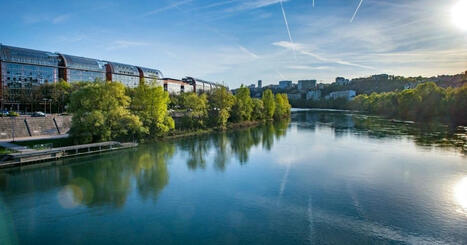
pixel 100 113
pixel 282 106
pixel 269 104
pixel 220 105
pixel 243 106
pixel 197 110
pixel 149 103
pixel 258 110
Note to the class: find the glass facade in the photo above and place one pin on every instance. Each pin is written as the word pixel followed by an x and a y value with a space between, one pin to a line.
pixel 129 81
pixel 28 56
pixel 126 74
pixel 26 76
pixel 83 69
pixel 151 76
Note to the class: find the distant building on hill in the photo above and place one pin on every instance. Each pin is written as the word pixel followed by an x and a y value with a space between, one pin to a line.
pixel 381 77
pixel 342 81
pixel 313 95
pixel 252 86
pixel 285 84
pixel 260 84
pixel 347 94
pixel 306 85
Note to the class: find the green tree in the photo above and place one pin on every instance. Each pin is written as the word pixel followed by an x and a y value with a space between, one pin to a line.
pixel 258 110
pixel 220 105
pixel 149 103
pixel 243 106
pixel 100 113
pixel 197 110
pixel 282 106
pixel 269 104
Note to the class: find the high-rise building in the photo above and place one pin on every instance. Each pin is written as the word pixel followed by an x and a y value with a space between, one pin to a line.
pixel 260 84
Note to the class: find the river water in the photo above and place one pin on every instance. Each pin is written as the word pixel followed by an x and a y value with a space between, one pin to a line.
pixel 320 178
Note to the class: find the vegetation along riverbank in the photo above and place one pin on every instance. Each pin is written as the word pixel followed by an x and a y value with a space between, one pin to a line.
pixel 104 111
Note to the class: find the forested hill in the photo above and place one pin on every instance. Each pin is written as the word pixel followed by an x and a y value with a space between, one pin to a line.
pixel 381 84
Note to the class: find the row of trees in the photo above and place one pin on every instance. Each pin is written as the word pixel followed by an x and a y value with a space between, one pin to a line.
pixel 424 103
pixel 220 107
pixel 105 111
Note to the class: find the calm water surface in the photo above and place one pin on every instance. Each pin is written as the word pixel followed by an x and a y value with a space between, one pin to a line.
pixel 322 178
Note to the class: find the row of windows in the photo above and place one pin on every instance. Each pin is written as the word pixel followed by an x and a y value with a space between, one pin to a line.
pixel 129 81
pixel 19 76
pixel 78 76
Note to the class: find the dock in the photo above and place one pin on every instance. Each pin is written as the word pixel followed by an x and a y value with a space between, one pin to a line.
pixel 34 156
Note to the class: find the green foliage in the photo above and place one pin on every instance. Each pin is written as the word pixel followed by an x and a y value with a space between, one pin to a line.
pixel 243 106
pixel 100 113
pixel 283 107
pixel 258 110
pixel 196 110
pixel 149 103
pixel 269 104
pixel 424 103
pixel 220 105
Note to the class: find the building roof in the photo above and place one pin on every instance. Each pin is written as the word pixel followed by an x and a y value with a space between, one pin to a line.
pixel 83 63
pixel 28 56
pixel 124 69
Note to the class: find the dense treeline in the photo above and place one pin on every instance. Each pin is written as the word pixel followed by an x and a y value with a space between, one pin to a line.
pixel 424 103
pixel 106 111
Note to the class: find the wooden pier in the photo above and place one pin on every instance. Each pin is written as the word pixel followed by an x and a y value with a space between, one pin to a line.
pixel 30 157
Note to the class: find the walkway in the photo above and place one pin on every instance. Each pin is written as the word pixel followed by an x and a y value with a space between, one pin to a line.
pixel 18 148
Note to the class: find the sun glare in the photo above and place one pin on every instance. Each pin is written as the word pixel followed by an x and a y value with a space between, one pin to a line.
pixel 460 193
pixel 459 14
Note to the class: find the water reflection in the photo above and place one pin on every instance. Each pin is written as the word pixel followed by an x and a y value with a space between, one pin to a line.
pixel 107 179
pixel 424 135
pixel 460 194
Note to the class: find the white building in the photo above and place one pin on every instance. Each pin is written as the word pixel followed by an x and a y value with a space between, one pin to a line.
pixel 313 95
pixel 347 94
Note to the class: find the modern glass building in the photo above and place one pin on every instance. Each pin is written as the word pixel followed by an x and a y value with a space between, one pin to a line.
pixel 74 68
pixel 23 69
pixel 150 76
pixel 127 74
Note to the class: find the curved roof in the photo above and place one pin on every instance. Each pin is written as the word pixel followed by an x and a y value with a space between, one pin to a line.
pixel 150 73
pixel 124 69
pixel 28 56
pixel 83 63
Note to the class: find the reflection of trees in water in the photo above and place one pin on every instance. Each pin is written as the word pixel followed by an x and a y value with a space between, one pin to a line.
pixel 107 179
pixel 433 134
pixel 197 149
pixel 236 143
pixel 151 169
pixel 100 179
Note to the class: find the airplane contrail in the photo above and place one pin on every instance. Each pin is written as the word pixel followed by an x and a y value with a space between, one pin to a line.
pixel 288 29
pixel 356 10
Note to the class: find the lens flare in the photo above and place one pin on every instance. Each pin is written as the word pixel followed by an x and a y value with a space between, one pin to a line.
pixel 459 14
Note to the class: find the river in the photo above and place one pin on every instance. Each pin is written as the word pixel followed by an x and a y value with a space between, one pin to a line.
pixel 320 178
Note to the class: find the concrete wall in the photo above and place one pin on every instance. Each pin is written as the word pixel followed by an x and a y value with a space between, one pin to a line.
pixel 34 126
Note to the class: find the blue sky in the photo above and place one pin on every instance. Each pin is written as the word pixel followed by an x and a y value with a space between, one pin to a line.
pixel 240 41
